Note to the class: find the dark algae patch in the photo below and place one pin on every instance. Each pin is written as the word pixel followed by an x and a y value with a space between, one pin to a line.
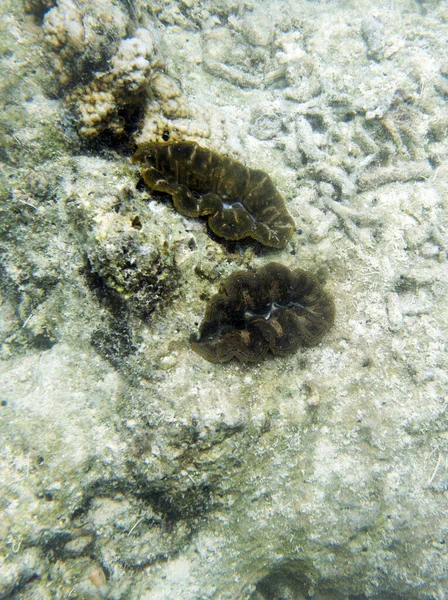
pixel 239 202
pixel 271 309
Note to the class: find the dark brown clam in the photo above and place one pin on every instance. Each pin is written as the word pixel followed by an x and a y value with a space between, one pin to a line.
pixel 239 202
pixel 271 309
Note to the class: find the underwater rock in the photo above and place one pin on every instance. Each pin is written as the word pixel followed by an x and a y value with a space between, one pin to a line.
pixel 15 573
pixel 273 309
pixel 38 7
pixel 128 261
pixel 239 202
pixel 373 35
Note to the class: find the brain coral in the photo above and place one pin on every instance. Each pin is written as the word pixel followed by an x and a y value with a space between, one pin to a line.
pixel 273 309
pixel 239 202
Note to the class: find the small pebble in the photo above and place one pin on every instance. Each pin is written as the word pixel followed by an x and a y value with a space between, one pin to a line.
pixel 77 546
pixel 394 312
pixel 167 362
pixel 97 577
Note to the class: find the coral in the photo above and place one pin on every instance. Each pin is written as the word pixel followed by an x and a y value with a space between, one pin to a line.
pixel 355 152
pixel 266 126
pixel 132 63
pixel 401 171
pixel 129 262
pixel 297 68
pixel 228 55
pixel 351 220
pixel 240 52
pixel 378 117
pixel 99 105
pixel 116 82
pixel 239 202
pixel 273 309
pixel 83 37
pixel 169 115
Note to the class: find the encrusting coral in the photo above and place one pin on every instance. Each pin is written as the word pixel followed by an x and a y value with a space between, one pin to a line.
pixel 239 202
pixel 272 309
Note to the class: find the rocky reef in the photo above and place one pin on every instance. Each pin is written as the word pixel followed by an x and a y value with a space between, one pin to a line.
pixel 132 467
